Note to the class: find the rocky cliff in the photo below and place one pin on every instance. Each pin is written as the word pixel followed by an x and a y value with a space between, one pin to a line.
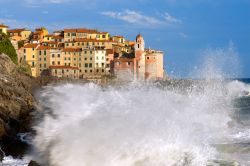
pixel 16 99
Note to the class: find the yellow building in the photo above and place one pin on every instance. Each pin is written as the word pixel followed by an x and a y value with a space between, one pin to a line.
pixel 47 38
pixel 102 36
pixel 56 57
pixel 64 71
pixel 43 60
pixel 3 28
pixel 30 57
pixel 19 34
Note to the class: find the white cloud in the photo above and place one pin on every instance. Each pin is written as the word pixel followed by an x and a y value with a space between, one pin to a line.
pixel 38 3
pixel 135 17
pixel 183 35
pixel 172 19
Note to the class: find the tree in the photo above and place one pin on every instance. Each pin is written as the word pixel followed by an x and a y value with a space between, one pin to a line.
pixel 7 48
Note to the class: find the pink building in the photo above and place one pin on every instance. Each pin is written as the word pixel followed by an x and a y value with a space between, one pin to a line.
pixel 142 64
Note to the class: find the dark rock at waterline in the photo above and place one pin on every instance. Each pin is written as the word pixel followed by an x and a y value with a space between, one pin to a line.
pixel 33 163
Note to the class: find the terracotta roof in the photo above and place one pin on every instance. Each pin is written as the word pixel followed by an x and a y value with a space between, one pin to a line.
pixel 31 45
pixel 110 51
pixel 90 40
pixel 49 35
pixel 122 59
pixel 72 50
pixel 119 36
pixel 102 32
pixel 3 26
pixel 63 67
pixel 57 37
pixel 38 32
pixel 15 30
pixel 81 30
pixel 43 48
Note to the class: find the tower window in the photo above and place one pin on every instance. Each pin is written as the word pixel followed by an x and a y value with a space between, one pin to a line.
pixel 138 46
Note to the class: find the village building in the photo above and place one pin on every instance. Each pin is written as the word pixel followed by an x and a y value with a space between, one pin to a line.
pixel 83 53
pixel 3 28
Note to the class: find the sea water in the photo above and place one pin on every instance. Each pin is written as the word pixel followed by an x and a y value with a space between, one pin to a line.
pixel 145 124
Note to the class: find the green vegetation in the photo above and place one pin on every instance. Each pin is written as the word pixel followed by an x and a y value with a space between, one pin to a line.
pixel 7 48
pixel 25 69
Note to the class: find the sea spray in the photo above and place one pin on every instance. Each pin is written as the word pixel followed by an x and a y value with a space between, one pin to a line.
pixel 137 124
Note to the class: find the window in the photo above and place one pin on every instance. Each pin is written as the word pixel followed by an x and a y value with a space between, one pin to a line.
pixel 102 58
pixel 90 52
pixel 103 36
pixel 102 64
pixel 33 49
pixel 147 57
pixel 90 71
pixel 33 56
pixel 40 59
pixel 86 65
pixel 93 43
pixel 73 44
pixel 58 55
pixel 69 59
pixel 74 59
pixel 40 52
pixel 107 65
pixel 79 64
pixel 129 63
pixel 107 59
pixel 86 71
pixel 97 70
pixel 53 55
pixel 96 64
pixel 68 34
pixel 58 62
pixel 91 59
pixel 53 63
pixel 85 59
pixel 40 65
pixel 65 58
pixel 44 59
pixel 85 52
pixel 24 51
pixel 97 58
pixel 67 44
pixel 44 52
pixel 103 70
pixel 65 64
pixel 68 64
pixel 90 65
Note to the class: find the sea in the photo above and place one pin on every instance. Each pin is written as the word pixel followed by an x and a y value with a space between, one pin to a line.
pixel 187 122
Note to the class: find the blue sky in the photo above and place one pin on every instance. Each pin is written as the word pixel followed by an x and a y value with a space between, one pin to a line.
pixel 183 29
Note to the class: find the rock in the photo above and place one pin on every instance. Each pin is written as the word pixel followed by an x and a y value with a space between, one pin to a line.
pixel 16 97
pixel 33 163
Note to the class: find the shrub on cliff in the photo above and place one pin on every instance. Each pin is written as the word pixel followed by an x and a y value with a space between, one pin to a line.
pixel 7 48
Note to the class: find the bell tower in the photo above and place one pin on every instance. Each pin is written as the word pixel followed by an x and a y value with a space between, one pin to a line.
pixel 139 43
pixel 140 56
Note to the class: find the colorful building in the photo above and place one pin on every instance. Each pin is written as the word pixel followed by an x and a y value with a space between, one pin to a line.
pixel 3 28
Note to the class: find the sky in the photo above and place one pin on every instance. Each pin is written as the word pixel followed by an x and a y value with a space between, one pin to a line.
pixel 183 29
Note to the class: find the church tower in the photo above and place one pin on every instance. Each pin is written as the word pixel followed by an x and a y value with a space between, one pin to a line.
pixel 140 56
pixel 139 46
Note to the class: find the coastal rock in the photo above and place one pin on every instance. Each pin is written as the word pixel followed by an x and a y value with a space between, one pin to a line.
pixel 16 99
pixel 33 163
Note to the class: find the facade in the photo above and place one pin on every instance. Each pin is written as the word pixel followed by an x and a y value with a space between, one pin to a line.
pixel 86 53
pixel 29 55
pixel 19 34
pixel 145 64
pixel 65 71
pixel 3 28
